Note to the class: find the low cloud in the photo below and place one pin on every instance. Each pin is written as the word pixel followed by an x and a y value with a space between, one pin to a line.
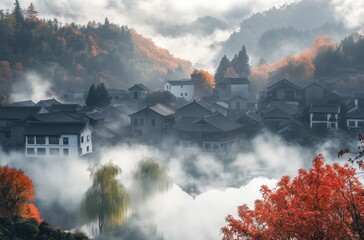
pixel 33 87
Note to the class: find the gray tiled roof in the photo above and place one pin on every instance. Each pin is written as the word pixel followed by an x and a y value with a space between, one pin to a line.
pixel 63 107
pixel 159 109
pixel 325 108
pixel 18 113
pixel 47 102
pixel 355 113
pixel 27 103
pixel 276 113
pixel 53 128
pixel 55 117
pixel 162 110
pixel 180 82
pixel 288 108
pixel 283 81
pixel 140 86
pixel 213 123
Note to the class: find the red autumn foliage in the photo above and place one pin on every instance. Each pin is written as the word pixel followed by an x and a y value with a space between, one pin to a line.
pixel 325 202
pixel 298 66
pixel 16 194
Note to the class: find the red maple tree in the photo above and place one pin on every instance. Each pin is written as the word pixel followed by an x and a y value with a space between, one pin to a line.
pixel 16 194
pixel 325 202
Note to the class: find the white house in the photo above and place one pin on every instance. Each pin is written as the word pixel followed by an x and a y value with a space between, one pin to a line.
pixel 325 116
pixel 53 139
pixel 181 89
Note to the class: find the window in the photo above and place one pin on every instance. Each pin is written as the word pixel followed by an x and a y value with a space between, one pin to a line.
pixel 141 122
pixel 135 122
pixel 88 138
pixel 54 151
pixel 87 149
pixel 238 105
pixel 53 140
pixel 81 139
pixel 41 151
pixel 135 95
pixel 185 94
pixel 65 152
pixel 181 94
pixel 40 139
pixel 153 122
pixel 30 139
pixel 65 141
pixel 207 146
pixel 351 123
pixel 7 134
pixel 9 122
pixel 30 151
pixel 181 86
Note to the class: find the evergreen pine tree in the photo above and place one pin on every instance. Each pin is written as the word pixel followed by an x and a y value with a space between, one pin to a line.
pixel 91 99
pixel 107 21
pixel 221 69
pixel 18 14
pixel 31 13
pixel 103 98
pixel 241 66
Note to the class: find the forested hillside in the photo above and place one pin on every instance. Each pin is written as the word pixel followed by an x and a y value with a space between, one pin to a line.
pixel 72 55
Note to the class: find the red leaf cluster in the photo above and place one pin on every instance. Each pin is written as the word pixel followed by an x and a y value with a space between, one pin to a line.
pixel 16 194
pixel 325 202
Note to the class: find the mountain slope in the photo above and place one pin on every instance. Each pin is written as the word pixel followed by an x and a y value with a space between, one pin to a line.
pixel 74 56
pixel 265 25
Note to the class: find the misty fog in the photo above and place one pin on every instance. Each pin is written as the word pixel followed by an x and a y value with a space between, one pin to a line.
pixel 206 187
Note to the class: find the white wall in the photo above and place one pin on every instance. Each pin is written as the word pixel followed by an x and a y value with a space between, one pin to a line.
pixel 181 91
pixel 87 142
pixel 72 146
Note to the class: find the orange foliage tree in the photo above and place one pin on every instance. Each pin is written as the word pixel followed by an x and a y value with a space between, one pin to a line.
pixel 16 194
pixel 325 202
pixel 204 82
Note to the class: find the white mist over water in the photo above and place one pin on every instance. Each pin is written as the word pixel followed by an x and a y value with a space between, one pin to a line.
pixel 176 214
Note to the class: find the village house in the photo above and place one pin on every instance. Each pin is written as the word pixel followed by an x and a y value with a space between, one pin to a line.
pixel 116 95
pixel 355 118
pixel 68 139
pixel 235 106
pixel 324 116
pixel 284 91
pixel 213 132
pixel 151 123
pixel 314 92
pixel 231 87
pixel 181 89
pixel 12 125
pixel 138 92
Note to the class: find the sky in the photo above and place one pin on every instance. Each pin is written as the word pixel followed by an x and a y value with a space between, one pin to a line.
pixel 172 24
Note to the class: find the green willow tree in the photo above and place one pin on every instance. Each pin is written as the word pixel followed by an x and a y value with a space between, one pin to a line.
pixel 151 178
pixel 106 201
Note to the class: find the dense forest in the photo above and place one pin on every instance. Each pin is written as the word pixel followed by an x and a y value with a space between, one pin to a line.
pixel 72 55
